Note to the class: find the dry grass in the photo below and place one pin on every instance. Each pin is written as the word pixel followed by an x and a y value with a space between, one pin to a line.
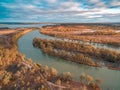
pixel 84 33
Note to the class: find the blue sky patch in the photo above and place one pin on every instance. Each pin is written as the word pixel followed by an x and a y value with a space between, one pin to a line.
pixel 60 10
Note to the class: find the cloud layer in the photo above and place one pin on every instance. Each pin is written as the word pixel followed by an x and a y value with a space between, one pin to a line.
pixel 60 10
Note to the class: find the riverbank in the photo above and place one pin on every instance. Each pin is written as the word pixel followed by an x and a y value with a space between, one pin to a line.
pixel 14 68
pixel 79 53
pixel 73 32
pixel 25 47
pixel 16 72
pixel 6 35
pixel 85 33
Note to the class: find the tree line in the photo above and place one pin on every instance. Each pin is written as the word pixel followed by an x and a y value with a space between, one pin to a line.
pixel 111 37
pixel 65 53
pixel 87 50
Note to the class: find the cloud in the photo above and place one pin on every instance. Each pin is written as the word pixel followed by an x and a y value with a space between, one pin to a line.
pixel 96 4
pixel 115 3
pixel 94 16
pixel 94 1
pixel 51 1
pixel 58 10
pixel 70 6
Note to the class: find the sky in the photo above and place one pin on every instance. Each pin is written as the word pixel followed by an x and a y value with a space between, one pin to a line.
pixel 60 11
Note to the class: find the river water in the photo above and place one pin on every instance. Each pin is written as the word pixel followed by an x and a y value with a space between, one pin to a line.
pixel 111 78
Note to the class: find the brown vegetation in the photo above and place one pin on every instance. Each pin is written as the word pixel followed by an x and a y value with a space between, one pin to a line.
pixel 16 73
pixel 56 47
pixel 85 33
pixel 63 50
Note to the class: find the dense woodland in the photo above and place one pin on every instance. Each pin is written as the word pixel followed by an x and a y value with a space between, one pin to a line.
pixel 17 73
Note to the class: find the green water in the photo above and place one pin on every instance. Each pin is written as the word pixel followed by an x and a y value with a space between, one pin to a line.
pixel 111 78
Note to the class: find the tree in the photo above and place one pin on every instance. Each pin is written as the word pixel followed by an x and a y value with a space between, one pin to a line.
pixel 58 82
pixel 45 67
pixel 53 72
pixel 89 79
pixel 6 78
pixel 92 85
pixel 83 88
pixel 66 76
pixel 82 77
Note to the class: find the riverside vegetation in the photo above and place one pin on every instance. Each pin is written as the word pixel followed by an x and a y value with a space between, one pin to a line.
pixel 92 34
pixel 86 33
pixel 76 52
pixel 17 73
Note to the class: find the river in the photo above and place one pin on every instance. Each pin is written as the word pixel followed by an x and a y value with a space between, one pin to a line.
pixel 111 78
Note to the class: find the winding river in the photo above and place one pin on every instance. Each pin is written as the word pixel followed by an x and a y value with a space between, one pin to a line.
pixel 111 77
